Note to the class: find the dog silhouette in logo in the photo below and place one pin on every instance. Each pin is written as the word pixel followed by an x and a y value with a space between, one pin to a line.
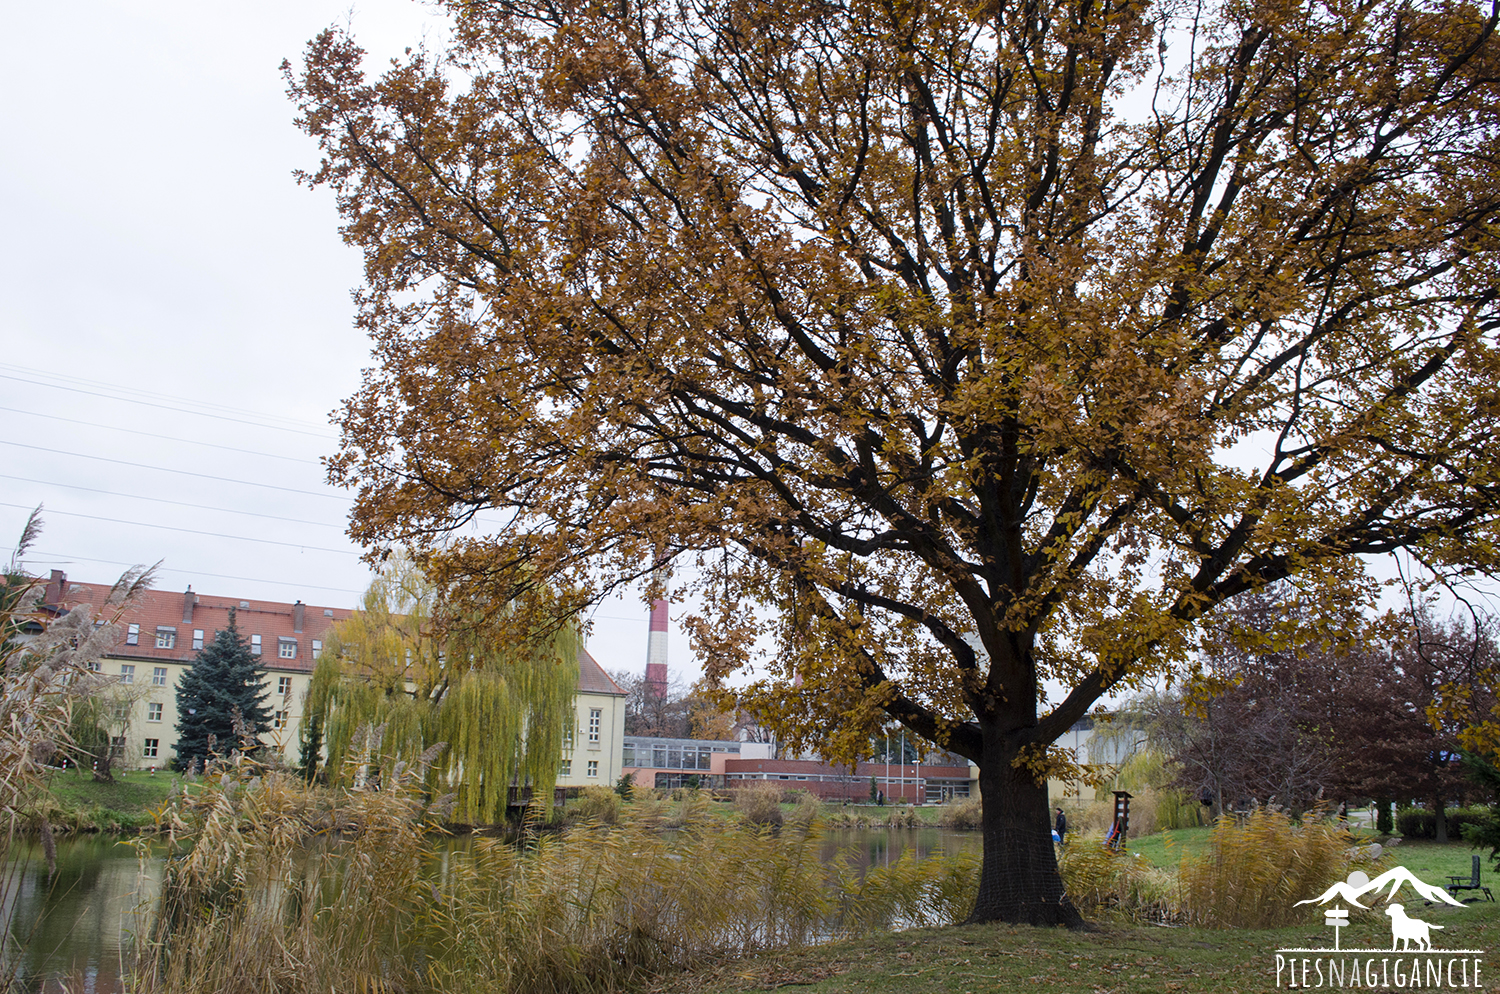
pixel 1408 930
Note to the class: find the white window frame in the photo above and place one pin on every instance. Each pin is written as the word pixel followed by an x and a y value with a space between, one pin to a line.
pixel 150 748
pixel 132 634
pixel 317 649
pixel 197 638
pixel 153 711
pixel 158 676
pixel 127 673
pixel 255 645
pixel 283 685
pixel 596 719
pixel 166 637
pixel 566 769
pixel 278 720
pixel 286 648
pixel 593 768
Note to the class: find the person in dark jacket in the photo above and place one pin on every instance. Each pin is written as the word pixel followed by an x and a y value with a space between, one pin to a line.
pixel 1061 825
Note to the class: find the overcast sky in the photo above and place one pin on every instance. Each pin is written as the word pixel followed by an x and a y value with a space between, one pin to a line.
pixel 175 308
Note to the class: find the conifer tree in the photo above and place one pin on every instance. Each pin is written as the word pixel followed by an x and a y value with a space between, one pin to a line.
pixel 224 678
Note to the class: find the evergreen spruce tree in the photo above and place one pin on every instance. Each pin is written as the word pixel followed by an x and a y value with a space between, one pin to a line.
pixel 225 676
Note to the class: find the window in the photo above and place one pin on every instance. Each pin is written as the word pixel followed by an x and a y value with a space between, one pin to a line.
pixel 595 716
pixel 568 737
pixel 127 673
pixel 132 634
pixel 150 747
pixel 278 720
pixel 255 645
pixel 159 676
pixel 93 666
pixel 121 710
pixel 153 712
pixel 283 685
pixel 197 638
pixel 286 648
pixel 317 648
pixel 627 754
pixel 166 638
pixel 593 767
pixel 565 769
pixel 117 745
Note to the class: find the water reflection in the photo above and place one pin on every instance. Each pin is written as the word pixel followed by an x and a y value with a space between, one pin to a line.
pixel 871 847
pixel 74 928
pixel 75 925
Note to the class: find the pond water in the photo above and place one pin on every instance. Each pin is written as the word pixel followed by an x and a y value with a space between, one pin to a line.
pixel 73 929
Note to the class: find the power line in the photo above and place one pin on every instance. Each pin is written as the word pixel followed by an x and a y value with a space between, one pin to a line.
pixel 188 531
pixel 31 373
pixel 169 438
pixel 165 407
pixel 165 469
pixel 163 500
pixel 64 559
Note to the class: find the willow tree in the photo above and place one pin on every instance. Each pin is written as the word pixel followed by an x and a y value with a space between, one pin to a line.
pixel 967 350
pixel 406 675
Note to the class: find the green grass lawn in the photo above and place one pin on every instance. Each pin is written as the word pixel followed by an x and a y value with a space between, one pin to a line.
pixel 127 803
pixel 1109 959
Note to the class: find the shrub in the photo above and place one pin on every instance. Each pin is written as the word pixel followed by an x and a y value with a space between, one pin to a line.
pixel 962 814
pixel 1418 823
pixel 1255 870
pixel 759 802
pixel 1103 882
pixel 596 803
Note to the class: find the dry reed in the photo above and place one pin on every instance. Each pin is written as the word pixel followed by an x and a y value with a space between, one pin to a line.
pixel 276 886
pixel 1257 868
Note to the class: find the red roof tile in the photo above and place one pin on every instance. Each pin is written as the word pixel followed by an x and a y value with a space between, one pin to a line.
pixel 153 609
pixel 592 679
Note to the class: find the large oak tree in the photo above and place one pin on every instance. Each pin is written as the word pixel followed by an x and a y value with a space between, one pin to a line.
pixel 962 348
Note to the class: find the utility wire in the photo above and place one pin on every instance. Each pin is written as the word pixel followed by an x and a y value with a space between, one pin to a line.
pixel 163 500
pixel 165 469
pixel 63 558
pixel 165 407
pixel 169 438
pixel 188 531
pixel 31 374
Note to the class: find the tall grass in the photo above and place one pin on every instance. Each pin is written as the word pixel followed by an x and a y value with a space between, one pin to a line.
pixel 1257 868
pixel 276 886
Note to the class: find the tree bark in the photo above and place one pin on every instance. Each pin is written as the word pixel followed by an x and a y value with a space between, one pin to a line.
pixel 1019 881
pixel 1439 821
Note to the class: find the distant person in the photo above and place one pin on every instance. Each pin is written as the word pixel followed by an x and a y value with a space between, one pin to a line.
pixel 1060 827
pixel 1343 811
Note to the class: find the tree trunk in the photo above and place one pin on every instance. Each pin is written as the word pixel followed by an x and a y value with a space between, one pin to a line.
pixel 1019 880
pixel 1439 821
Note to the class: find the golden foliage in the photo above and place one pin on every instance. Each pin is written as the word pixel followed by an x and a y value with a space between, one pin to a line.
pixel 907 336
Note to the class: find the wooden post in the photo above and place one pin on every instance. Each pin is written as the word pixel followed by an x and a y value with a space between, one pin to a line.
pixel 1122 819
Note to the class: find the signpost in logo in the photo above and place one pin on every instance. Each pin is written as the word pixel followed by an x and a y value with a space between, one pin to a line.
pixel 1418 965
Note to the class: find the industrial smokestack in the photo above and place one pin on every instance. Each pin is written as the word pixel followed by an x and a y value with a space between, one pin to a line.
pixel 656 650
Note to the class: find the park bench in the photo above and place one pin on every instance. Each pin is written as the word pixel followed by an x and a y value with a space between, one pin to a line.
pixel 1471 882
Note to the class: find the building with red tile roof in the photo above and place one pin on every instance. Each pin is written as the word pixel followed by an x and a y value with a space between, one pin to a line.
pixel 162 631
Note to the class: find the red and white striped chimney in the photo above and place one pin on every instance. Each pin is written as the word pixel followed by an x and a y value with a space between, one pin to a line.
pixel 656 649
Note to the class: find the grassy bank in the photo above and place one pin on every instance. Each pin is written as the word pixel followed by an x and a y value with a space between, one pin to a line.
pixel 1111 959
pixel 76 802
